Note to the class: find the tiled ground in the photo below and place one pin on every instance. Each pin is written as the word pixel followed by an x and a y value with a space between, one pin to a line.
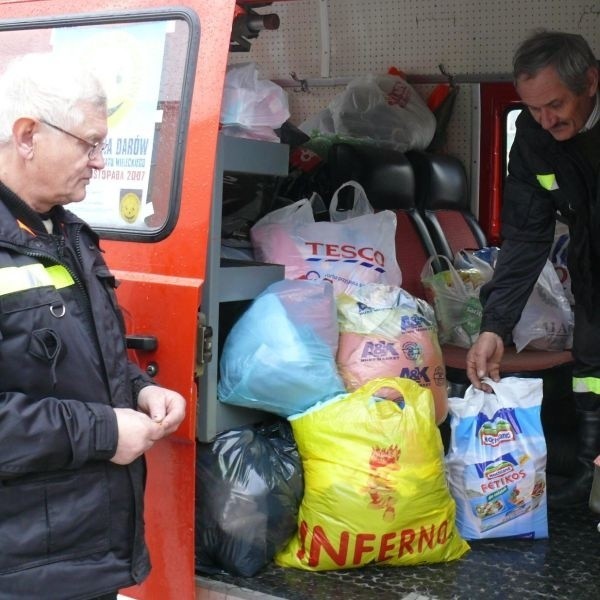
pixel 564 567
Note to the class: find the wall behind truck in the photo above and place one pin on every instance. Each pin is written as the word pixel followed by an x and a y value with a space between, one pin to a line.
pixel 328 42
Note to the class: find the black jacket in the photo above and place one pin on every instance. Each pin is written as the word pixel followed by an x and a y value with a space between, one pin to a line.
pixel 71 522
pixel 546 179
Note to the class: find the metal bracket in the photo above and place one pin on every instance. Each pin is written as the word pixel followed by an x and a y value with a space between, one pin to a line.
pixel 203 344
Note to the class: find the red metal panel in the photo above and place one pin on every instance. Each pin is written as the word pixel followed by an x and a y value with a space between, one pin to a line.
pixel 496 99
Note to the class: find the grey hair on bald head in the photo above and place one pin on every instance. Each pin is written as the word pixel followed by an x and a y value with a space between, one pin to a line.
pixel 568 53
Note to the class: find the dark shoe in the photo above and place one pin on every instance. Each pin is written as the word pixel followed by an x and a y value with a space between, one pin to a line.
pixel 574 492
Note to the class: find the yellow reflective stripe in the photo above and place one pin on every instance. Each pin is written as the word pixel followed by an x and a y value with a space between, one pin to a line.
pixel 548 182
pixel 61 278
pixel 586 384
pixel 18 279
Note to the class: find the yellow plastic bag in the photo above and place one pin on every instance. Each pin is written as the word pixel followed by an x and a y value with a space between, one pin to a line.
pixel 375 489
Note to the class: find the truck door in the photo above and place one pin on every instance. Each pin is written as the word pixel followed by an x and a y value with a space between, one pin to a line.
pixel 163 64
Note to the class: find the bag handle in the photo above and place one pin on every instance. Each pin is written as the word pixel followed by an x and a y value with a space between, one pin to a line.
pixel 513 391
pixel 429 271
pixel 474 262
pixel 360 206
pixel 400 384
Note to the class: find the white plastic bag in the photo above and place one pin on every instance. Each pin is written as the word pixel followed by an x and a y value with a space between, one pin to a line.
pixel 496 464
pixel 251 102
pixel 382 109
pixel 546 322
pixel 558 257
pixel 347 252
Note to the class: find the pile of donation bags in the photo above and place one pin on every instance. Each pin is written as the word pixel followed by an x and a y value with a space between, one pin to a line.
pixel 370 449
pixel 353 363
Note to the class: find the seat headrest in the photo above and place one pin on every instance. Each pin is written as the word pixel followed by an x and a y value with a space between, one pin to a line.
pixel 441 181
pixel 386 175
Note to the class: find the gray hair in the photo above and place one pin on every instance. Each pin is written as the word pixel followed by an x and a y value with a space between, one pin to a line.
pixel 568 53
pixel 47 86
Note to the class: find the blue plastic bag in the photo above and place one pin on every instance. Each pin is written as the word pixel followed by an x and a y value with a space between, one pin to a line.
pixel 279 356
pixel 496 465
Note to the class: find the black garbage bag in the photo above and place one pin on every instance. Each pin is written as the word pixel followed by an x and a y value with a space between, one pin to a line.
pixel 249 486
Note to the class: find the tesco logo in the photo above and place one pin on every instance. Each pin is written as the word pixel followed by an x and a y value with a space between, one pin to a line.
pixel 346 251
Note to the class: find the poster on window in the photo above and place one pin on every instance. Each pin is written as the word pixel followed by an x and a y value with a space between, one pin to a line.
pixel 128 59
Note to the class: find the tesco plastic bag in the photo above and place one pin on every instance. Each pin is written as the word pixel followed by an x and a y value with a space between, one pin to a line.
pixel 279 356
pixel 387 332
pixel 249 485
pixel 354 248
pixel 374 483
pixel 547 321
pixel 380 109
pixel 496 463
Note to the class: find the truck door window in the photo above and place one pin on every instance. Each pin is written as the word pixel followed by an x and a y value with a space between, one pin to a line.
pixel 142 60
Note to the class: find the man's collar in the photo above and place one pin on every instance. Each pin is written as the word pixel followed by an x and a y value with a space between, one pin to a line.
pixel 594 117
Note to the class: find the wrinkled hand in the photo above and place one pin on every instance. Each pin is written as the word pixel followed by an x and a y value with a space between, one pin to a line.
pixel 164 407
pixel 483 359
pixel 137 434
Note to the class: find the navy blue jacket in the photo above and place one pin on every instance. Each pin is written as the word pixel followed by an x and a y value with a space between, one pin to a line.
pixel 71 522
pixel 547 180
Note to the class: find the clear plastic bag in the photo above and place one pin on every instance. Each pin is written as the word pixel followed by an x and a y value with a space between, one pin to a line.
pixel 381 109
pixel 387 332
pixel 251 102
pixel 454 294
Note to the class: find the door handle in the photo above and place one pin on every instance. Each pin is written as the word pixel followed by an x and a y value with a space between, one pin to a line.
pixel 145 343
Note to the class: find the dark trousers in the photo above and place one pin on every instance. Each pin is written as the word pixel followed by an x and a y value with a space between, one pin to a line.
pixel 112 596
pixel 586 352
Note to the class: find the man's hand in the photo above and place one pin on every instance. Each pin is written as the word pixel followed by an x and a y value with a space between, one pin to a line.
pixel 137 434
pixel 483 359
pixel 164 407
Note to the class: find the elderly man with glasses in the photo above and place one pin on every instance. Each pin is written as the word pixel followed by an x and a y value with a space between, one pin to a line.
pixel 75 415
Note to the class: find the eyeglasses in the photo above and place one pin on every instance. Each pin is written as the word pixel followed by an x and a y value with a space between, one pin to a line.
pixel 96 148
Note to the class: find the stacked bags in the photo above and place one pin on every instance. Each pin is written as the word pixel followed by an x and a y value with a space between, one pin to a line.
pixel 353 362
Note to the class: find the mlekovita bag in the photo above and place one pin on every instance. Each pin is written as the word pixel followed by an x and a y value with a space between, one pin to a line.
pixel 496 465
pixel 354 248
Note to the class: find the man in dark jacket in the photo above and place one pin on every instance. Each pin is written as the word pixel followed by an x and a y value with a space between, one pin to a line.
pixel 75 415
pixel 553 173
